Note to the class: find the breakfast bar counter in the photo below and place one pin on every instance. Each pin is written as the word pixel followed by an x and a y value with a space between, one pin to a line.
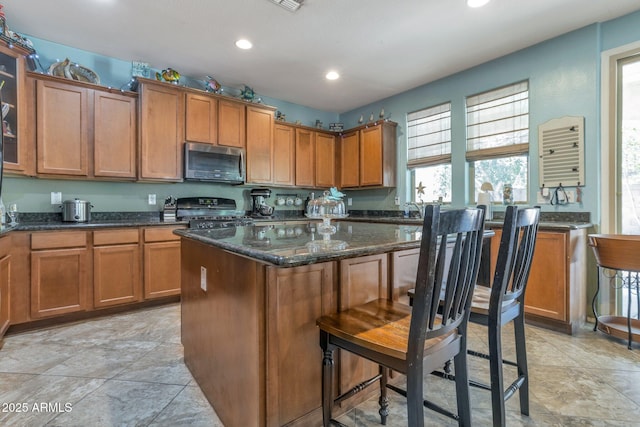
pixel 250 299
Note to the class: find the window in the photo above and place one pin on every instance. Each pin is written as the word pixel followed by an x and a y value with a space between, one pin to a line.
pixel 498 139
pixel 429 152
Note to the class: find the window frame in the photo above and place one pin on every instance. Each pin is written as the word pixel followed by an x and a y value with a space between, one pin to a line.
pixel 500 151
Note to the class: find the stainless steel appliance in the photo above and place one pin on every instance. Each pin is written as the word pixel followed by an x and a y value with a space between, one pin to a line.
pixel 259 207
pixel 76 210
pixel 210 212
pixel 213 163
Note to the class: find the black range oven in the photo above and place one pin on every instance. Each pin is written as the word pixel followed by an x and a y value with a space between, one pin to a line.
pixel 210 212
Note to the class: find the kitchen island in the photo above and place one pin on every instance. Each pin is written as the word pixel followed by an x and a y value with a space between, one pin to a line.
pixel 250 299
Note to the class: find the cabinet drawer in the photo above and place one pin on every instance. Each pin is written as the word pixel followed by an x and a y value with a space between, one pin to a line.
pixel 115 237
pixel 58 239
pixel 160 234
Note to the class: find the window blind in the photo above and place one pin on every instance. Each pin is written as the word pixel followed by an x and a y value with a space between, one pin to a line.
pixel 429 136
pixel 498 122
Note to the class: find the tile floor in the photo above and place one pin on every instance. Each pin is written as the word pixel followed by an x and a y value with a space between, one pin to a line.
pixel 128 370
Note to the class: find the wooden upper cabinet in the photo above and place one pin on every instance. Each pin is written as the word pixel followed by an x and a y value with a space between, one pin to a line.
pixel 368 156
pixel 259 145
pixel 305 153
pixel 378 155
pixel 15 143
pixel 62 128
pixel 161 113
pixel 115 135
pixel 231 123
pixel 201 118
pixel 350 160
pixel 325 160
pixel 284 148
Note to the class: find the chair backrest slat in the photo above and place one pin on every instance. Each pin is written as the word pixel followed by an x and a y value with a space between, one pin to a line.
pixel 515 255
pixel 447 269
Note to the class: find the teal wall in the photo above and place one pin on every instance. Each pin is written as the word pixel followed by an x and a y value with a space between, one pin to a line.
pixel 34 195
pixel 564 79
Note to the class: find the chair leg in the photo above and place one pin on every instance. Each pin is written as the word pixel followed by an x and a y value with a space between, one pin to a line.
pixel 415 408
pixel 462 386
pixel 327 379
pixel 495 369
pixel 383 401
pixel 523 370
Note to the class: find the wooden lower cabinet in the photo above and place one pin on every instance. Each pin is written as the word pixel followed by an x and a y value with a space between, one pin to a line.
pixel 295 298
pixel 362 279
pixel 59 273
pixel 556 291
pixel 249 332
pixel 72 273
pixel 116 267
pixel 161 262
pixel 5 283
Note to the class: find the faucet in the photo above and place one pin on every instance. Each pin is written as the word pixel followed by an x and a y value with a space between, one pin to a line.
pixel 420 206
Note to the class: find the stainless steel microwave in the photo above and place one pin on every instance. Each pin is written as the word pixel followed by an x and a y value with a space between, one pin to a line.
pixel 213 163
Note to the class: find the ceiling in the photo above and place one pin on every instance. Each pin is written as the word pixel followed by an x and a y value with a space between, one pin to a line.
pixel 379 47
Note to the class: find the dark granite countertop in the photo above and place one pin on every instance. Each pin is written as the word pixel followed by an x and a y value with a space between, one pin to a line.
pixel 293 243
pixel 53 221
pixel 494 223
pixel 47 225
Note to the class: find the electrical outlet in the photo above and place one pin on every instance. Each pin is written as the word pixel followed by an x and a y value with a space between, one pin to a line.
pixel 349 201
pixel 397 200
pixel 571 196
pixel 203 278
pixel 152 199
pixel 56 197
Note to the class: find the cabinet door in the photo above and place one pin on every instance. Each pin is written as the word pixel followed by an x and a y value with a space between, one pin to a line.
pixel 161 269
pixel 546 294
pixel 296 297
pixel 13 95
pixel 284 139
pixel 404 268
pixel 62 129
pixel 201 118
pixel 259 145
pixel 115 135
pixel 350 160
pixel 231 123
pixel 161 132
pixel 325 160
pixel 305 153
pixel 362 279
pixel 58 281
pixel 371 156
pixel 116 275
pixel 5 268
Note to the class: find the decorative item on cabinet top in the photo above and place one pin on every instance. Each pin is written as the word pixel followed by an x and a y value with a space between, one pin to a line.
pixel 73 71
pixel 212 85
pixel 169 75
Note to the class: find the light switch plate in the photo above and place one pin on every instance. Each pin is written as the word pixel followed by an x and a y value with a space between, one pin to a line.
pixel 56 197
pixel 152 199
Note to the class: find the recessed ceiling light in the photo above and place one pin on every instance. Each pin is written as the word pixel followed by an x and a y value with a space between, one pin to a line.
pixel 244 44
pixel 477 3
pixel 332 75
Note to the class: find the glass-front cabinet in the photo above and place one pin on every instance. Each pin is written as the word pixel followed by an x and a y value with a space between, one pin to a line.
pixel 12 87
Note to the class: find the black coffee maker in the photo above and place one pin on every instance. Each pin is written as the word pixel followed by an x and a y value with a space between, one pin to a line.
pixel 259 207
